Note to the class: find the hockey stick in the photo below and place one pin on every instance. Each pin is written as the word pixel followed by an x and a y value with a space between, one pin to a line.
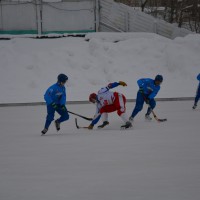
pixel 86 118
pixel 154 115
pixel 77 126
pixel 156 118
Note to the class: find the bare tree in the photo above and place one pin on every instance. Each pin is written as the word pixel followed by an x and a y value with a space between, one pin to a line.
pixel 194 16
pixel 185 13
pixel 143 4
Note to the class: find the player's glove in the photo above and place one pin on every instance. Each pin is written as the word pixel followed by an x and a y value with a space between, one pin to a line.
pixel 90 127
pixel 122 83
pixel 54 105
pixel 141 90
pixel 63 108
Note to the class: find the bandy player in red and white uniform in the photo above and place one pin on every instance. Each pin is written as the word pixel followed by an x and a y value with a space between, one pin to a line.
pixel 106 102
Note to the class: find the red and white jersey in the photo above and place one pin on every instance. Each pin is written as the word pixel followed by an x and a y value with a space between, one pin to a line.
pixel 105 97
pixel 108 102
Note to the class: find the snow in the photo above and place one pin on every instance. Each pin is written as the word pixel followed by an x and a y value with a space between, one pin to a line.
pixel 154 161
pixel 29 66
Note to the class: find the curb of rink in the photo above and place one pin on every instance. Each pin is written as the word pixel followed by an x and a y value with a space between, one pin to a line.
pixel 87 102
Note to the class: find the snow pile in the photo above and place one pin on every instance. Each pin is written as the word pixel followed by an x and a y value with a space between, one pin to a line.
pixel 29 66
pixel 116 37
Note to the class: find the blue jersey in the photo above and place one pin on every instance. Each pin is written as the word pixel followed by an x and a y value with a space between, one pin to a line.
pixel 198 77
pixel 149 87
pixel 55 94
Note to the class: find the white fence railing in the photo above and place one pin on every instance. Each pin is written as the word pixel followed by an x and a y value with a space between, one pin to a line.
pixel 43 16
pixel 65 16
pixel 18 16
pixel 119 17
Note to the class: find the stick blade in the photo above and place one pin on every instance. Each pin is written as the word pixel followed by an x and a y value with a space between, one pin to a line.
pixel 162 120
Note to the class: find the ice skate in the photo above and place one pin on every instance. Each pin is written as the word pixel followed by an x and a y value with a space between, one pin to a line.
pixel 194 107
pixel 105 123
pixel 131 119
pixel 57 125
pixel 127 125
pixel 44 131
pixel 147 117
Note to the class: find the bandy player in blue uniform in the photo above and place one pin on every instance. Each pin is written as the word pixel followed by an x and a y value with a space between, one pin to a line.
pixel 107 102
pixel 55 98
pixel 197 94
pixel 148 89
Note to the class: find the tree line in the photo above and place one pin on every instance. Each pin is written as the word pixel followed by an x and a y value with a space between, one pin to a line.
pixel 184 13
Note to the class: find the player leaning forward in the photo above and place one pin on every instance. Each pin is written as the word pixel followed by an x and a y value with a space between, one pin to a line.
pixel 107 102
pixel 148 89
pixel 55 98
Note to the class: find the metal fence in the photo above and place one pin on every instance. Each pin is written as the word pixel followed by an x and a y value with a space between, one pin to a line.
pixel 78 16
pixel 119 17
pixel 43 16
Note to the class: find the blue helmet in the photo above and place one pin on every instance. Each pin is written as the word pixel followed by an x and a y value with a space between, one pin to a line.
pixel 62 78
pixel 159 78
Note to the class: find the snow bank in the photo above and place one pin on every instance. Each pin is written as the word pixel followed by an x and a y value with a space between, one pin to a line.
pixel 116 37
pixel 29 66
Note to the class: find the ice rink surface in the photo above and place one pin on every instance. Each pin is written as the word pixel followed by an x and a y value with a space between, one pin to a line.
pixel 152 161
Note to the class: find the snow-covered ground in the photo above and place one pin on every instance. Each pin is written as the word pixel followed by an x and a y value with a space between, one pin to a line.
pixel 152 161
pixel 29 66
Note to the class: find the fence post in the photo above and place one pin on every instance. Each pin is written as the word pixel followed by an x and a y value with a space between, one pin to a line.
pixel 126 21
pixel 39 16
pixel 1 17
pixel 155 27
pixel 97 15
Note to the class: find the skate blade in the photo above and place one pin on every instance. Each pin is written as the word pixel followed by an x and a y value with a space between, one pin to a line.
pixel 124 128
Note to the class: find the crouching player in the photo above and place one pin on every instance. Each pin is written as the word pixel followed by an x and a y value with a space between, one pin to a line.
pixel 107 102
